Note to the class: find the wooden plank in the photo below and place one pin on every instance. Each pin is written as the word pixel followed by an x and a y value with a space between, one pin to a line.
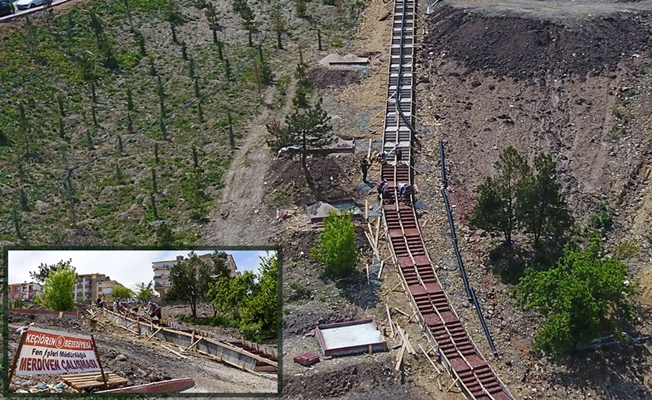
pixel 389 317
pixel 429 359
pixel 175 352
pixel 400 357
pixel 84 374
pixel 402 312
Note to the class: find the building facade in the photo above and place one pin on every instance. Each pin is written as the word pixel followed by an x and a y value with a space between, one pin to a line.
pixel 162 270
pixel 86 288
pixel 105 289
pixel 24 291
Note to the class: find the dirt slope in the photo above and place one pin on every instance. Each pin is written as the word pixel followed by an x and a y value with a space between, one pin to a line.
pixel 568 78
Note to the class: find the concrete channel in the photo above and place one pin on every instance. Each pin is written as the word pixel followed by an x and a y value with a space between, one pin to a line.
pixel 242 354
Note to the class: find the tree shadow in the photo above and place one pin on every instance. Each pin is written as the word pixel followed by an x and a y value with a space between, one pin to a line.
pixel 508 262
pixel 616 371
pixel 356 290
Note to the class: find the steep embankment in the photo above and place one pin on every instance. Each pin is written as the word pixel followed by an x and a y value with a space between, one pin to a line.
pixel 571 79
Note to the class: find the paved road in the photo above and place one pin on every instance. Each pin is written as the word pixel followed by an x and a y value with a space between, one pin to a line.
pixel 20 13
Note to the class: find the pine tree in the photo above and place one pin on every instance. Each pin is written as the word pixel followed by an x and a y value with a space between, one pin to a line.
pixel 541 208
pixel 278 25
pixel 231 135
pixel 154 185
pixel 495 209
pixel 307 128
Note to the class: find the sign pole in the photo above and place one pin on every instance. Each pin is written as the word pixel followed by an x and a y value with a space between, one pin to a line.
pixel 97 356
pixel 20 346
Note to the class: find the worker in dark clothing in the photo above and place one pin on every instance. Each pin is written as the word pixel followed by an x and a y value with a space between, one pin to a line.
pixel 379 187
pixel 387 194
pixel 155 312
pixel 406 191
pixel 100 303
pixel 364 165
pixel 399 155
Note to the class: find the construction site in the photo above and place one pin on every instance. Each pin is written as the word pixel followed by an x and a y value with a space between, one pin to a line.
pixel 141 356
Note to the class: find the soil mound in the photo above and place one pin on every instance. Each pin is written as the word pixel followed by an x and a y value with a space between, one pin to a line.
pixel 520 47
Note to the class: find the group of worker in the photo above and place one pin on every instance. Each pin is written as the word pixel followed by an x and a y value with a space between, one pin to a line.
pixel 406 190
pixel 153 309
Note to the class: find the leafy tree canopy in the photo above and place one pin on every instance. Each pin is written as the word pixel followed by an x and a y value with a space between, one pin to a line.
pixel 45 269
pixel 583 297
pixel 144 292
pixel 121 292
pixel 191 278
pixel 337 248
pixel 58 288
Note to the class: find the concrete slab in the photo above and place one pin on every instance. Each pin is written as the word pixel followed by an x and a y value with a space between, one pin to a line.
pixel 349 338
pixel 319 210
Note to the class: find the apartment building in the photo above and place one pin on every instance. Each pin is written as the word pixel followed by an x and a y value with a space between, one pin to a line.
pixel 86 288
pixel 24 291
pixel 162 270
pixel 105 289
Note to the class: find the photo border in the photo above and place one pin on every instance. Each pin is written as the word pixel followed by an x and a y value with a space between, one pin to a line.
pixel 5 323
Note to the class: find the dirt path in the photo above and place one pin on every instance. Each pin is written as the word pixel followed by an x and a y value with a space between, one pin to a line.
pixel 241 206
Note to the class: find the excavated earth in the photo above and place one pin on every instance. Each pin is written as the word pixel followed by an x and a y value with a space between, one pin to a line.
pixel 572 79
pixel 144 360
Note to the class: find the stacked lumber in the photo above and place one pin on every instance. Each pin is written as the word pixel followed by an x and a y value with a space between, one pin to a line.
pixel 93 380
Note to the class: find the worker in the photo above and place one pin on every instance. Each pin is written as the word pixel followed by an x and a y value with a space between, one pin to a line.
pixel 399 155
pixel 115 304
pixel 100 303
pixel 387 194
pixel 379 187
pixel 364 165
pixel 154 311
pixel 382 157
pixel 406 191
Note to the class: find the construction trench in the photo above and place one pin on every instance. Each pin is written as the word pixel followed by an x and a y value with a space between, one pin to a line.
pixel 239 353
pixel 442 326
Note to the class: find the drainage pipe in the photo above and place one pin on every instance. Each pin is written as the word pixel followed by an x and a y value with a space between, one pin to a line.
pixel 470 292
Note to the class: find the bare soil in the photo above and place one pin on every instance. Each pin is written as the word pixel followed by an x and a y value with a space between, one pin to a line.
pixel 146 360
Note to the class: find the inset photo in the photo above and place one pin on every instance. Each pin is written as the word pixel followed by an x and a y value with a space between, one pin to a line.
pixel 191 322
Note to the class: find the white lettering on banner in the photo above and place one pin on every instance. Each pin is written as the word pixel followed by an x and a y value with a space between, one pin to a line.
pixel 48 352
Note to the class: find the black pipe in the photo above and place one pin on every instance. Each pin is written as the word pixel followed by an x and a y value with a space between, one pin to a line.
pixel 470 293
pixel 465 278
pixel 444 181
pixel 484 324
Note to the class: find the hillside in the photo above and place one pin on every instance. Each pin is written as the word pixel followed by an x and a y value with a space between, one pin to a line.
pixel 572 78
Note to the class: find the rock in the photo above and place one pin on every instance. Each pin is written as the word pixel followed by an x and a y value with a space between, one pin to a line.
pixel 121 357
pixel 41 386
pixel 153 378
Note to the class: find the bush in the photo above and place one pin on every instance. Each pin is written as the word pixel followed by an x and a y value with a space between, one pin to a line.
pixel 337 245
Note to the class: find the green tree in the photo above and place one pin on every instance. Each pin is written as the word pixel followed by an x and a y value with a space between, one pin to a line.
pixel 307 129
pixel 337 248
pixel 541 208
pixel 583 297
pixel 165 237
pixel 144 292
pixel 41 274
pixel 260 310
pixel 190 280
pixel 122 292
pixel 301 7
pixel 58 288
pixel 495 210
pixel 279 25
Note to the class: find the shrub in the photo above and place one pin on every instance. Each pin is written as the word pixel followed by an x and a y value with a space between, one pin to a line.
pixel 337 245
